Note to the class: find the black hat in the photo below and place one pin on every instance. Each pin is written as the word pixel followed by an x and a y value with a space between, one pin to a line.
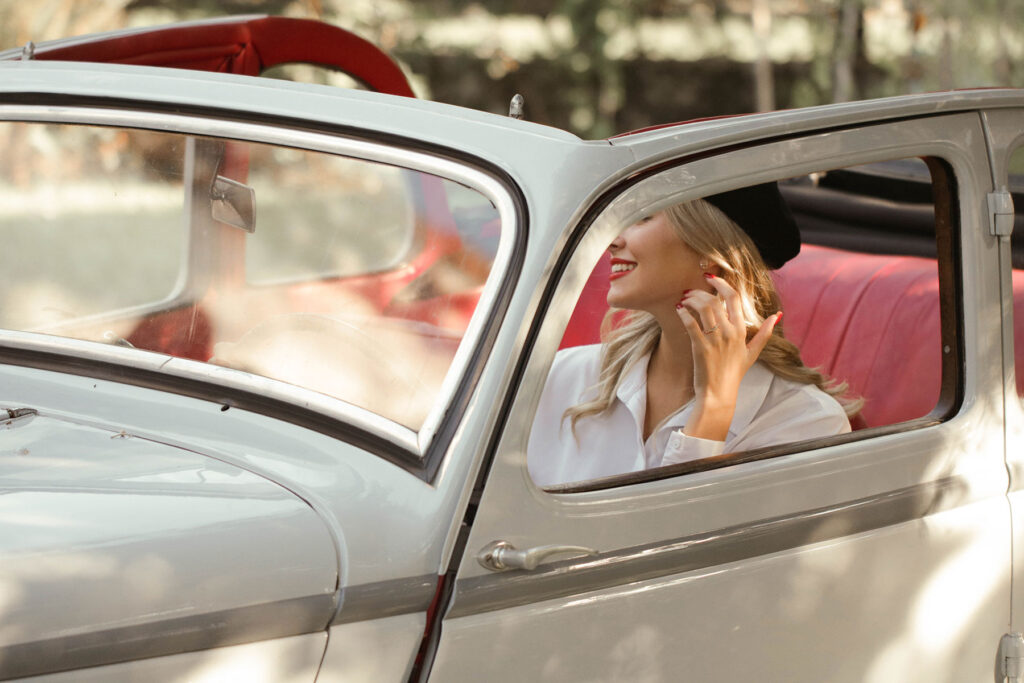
pixel 763 214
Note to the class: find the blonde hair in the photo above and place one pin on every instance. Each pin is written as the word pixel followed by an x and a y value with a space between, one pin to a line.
pixel 630 335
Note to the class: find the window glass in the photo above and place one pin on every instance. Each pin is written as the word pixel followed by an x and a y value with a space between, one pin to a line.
pixel 344 276
pixel 311 203
pixel 862 312
pixel 91 220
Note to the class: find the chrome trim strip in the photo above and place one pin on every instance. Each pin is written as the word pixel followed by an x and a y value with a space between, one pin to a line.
pixel 702 551
pixel 386 598
pixel 399 435
pixel 169 636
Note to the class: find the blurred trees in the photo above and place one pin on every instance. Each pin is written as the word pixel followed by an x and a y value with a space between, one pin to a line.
pixel 598 67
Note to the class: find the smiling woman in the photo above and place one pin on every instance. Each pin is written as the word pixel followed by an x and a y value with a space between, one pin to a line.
pixel 698 365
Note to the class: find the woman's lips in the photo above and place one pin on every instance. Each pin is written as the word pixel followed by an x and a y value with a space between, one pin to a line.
pixel 621 268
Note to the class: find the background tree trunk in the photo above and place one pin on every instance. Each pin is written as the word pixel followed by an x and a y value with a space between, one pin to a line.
pixel 847 49
pixel 763 79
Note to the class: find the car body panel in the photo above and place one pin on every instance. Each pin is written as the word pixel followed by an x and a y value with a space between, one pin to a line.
pixel 294 659
pixel 1005 135
pixel 194 549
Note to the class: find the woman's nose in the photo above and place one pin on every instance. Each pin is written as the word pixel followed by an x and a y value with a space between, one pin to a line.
pixel 617 243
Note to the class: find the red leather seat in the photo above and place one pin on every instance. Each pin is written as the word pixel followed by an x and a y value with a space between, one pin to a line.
pixel 869 320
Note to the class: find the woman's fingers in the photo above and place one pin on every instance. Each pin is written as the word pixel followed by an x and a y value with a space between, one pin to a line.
pixel 693 328
pixel 760 340
pixel 706 307
pixel 730 298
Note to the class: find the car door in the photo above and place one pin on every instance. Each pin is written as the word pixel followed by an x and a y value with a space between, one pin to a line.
pixel 1006 137
pixel 880 555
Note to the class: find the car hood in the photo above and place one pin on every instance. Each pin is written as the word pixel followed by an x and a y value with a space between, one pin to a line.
pixel 112 538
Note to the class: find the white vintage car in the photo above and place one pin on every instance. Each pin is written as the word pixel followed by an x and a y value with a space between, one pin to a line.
pixel 270 354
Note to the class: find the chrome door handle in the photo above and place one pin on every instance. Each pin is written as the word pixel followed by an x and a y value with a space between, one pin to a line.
pixel 499 556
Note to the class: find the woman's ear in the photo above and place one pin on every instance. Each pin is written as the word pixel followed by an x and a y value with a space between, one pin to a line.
pixel 708 266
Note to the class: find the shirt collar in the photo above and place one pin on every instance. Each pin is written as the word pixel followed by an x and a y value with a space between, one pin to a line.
pixel 632 390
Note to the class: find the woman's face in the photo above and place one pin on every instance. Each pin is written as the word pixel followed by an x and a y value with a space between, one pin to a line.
pixel 652 267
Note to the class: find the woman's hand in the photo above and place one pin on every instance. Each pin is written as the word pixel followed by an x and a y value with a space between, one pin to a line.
pixel 721 354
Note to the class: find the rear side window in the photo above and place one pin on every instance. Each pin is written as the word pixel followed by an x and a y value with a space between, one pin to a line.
pixel 352 279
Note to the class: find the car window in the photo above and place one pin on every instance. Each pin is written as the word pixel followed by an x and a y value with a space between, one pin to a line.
pixel 349 277
pixel 861 307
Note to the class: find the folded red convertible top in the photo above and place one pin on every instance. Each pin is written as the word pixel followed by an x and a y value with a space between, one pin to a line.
pixel 245 45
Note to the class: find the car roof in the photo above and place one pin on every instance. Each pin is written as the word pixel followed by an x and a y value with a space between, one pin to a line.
pixel 423 120
pixel 689 135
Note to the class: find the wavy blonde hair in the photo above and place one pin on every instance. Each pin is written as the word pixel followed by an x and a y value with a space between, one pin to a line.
pixel 630 335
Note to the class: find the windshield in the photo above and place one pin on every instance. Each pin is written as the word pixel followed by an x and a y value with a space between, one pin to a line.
pixel 344 276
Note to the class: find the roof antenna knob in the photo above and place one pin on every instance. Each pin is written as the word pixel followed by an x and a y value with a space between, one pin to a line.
pixel 515 108
pixel 28 52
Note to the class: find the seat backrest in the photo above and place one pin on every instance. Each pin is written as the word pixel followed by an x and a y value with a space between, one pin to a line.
pixel 869 320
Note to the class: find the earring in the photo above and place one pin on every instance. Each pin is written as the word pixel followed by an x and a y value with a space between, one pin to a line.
pixel 703 264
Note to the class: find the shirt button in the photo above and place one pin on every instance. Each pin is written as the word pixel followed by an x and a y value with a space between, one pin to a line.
pixel 676 441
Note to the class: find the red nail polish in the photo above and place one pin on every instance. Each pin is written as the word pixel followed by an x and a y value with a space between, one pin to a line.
pixel 679 305
pixel 780 317
pixel 709 276
pixel 686 291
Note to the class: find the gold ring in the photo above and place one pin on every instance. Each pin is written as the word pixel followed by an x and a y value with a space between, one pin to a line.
pixel 713 329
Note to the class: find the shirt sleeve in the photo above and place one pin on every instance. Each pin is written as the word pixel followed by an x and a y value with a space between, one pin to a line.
pixel 683 448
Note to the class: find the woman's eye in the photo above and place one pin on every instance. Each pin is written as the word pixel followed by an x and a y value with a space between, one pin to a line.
pixel 644 219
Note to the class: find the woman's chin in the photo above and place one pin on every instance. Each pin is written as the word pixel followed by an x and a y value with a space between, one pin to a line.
pixel 617 301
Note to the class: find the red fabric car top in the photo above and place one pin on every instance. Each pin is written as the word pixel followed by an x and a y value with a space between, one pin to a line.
pixel 244 46
pixel 869 320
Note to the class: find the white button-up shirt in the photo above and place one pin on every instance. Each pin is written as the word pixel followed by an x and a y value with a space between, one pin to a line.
pixel 769 410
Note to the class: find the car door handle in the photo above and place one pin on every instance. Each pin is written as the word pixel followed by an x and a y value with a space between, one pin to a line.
pixel 499 556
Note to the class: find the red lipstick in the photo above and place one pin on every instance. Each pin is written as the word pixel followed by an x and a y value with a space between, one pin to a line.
pixel 624 268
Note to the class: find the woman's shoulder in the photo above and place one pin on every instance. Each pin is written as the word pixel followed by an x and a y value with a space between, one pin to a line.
pixel 574 371
pixel 574 359
pixel 806 399
pixel 778 410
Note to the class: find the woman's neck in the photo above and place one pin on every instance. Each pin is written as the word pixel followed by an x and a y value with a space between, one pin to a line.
pixel 673 353
pixel 669 373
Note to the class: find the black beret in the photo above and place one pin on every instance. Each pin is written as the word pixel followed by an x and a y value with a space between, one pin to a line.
pixel 763 214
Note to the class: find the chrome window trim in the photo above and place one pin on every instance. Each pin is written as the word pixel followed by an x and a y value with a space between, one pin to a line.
pixel 416 442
